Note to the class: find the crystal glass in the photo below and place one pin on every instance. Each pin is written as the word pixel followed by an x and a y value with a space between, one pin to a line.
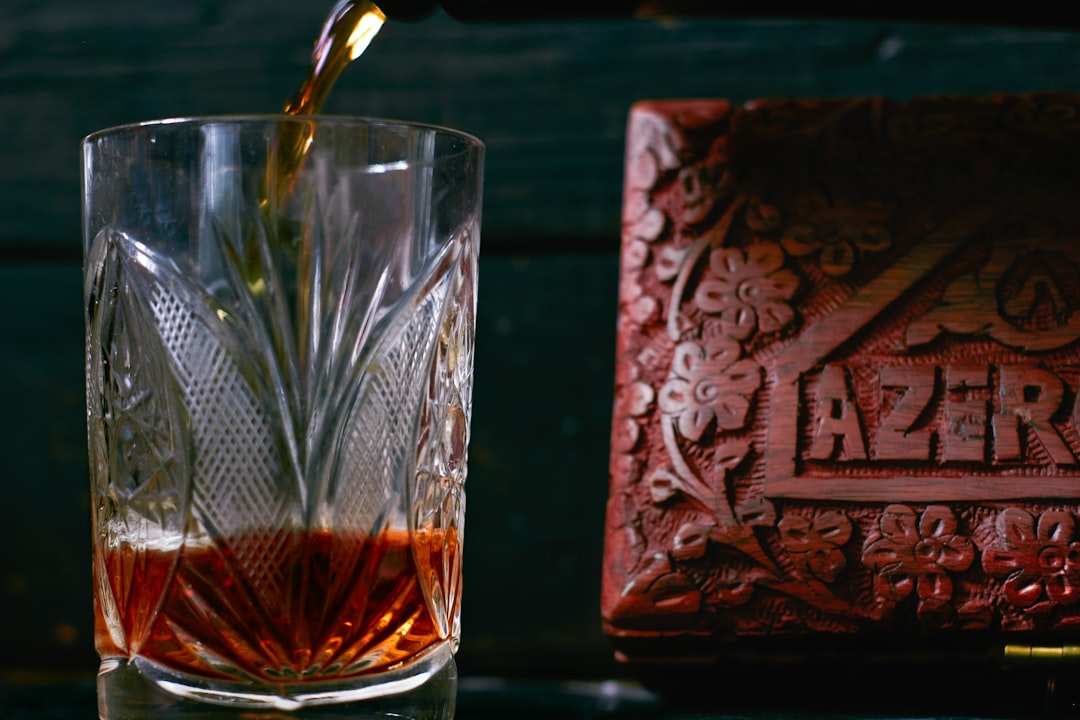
pixel 279 352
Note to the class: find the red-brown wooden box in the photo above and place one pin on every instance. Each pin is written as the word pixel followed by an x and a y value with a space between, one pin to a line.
pixel 847 380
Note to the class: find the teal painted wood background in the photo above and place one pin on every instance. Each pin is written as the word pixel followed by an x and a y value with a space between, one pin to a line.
pixel 551 100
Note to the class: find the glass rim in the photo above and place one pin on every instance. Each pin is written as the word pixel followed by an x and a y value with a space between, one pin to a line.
pixel 469 140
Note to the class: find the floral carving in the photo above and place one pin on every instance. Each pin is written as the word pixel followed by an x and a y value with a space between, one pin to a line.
pixel 709 384
pixel 639 306
pixel 749 289
pixel 654 149
pixel 1022 298
pixel 814 544
pixel 701 186
pixel 725 525
pixel 840 235
pixel 668 262
pixel 631 401
pixel 761 217
pixel 732 586
pixel 916 553
pixel 1039 291
pixel 1039 558
pixel 665 482
pixel 662 585
pixel 643 221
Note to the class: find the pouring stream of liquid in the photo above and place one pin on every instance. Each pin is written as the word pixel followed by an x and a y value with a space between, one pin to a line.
pixel 349 29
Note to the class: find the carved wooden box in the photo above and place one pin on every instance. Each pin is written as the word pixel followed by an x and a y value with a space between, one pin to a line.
pixel 847 377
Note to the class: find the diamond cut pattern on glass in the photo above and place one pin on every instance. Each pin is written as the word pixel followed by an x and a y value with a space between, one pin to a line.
pixel 302 416
pixel 137 445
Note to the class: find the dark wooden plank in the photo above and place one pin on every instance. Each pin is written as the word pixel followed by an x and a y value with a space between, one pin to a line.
pixel 1031 15
pixel 536 488
pixel 45 576
pixel 550 98
pixel 538 459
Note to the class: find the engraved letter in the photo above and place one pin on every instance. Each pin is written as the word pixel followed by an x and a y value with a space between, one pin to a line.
pixel 836 419
pixel 1029 398
pixel 965 416
pixel 896 438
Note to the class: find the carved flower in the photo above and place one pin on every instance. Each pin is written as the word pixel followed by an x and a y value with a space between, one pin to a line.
pixel 840 234
pixel 709 383
pixel 635 253
pixel 749 289
pixel 761 217
pixel 700 186
pixel 1037 558
pixel 1039 290
pixel 642 221
pixel 631 401
pixel 814 545
pixel 911 553
pixel 653 149
pixel 668 262
pixel 639 306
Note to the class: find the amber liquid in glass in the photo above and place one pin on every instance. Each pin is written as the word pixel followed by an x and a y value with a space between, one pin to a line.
pixel 345 605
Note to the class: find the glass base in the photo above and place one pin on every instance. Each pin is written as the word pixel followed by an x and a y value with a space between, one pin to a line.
pixel 136 689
